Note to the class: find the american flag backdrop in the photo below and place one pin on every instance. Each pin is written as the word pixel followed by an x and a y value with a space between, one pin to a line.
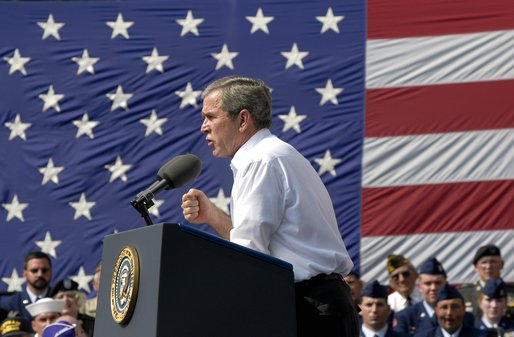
pixel 97 96
pixel 407 103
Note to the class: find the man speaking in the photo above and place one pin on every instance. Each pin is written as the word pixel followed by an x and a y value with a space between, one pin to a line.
pixel 279 205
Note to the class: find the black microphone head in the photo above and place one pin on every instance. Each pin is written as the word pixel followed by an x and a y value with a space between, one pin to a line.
pixel 180 170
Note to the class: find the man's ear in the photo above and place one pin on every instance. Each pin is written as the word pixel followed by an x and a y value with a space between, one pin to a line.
pixel 244 119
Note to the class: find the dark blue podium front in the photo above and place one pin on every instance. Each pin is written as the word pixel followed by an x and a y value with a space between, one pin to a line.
pixel 195 284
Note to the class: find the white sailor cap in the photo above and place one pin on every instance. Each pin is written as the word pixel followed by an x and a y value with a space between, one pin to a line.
pixel 45 305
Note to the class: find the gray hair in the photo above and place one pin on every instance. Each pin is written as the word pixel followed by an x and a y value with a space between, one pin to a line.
pixel 238 93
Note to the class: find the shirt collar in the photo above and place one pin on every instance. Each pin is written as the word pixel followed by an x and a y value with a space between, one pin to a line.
pixel 447 334
pixel 33 297
pixel 240 157
pixel 430 311
pixel 370 333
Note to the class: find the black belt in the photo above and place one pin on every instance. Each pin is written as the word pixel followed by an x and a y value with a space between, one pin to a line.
pixel 319 279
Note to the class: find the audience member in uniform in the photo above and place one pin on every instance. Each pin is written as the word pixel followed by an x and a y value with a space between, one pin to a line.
pixel 375 312
pixel 59 329
pixel 450 310
pixel 67 291
pixel 488 265
pixel 355 283
pixel 16 326
pixel 89 307
pixel 493 303
pixel 421 316
pixel 79 330
pixel 37 272
pixel 44 312
pixel 402 279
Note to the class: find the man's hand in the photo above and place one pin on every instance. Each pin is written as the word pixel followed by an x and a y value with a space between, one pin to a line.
pixel 196 206
pixel 198 209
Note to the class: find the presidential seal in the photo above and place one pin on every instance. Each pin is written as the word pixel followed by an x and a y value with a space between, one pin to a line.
pixel 124 285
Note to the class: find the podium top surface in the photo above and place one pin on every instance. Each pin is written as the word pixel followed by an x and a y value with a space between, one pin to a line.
pixel 268 258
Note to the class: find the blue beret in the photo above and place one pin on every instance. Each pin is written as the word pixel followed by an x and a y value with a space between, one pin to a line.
pixel 494 288
pixel 448 292
pixel 375 290
pixel 432 267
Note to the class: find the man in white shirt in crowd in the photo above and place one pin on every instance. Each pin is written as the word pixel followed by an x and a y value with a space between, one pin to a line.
pixel 402 279
pixel 279 205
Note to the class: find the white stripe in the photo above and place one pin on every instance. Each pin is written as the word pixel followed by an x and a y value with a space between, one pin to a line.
pixel 455 251
pixel 439 158
pixel 441 59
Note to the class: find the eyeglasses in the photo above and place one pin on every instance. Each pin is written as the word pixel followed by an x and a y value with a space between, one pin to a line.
pixel 404 274
pixel 35 270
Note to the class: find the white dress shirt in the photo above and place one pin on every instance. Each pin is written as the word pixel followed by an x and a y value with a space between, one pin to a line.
pixel 398 302
pixel 371 333
pixel 279 206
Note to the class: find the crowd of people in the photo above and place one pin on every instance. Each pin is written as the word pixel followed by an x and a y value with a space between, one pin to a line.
pixel 422 302
pixel 43 311
pixel 417 302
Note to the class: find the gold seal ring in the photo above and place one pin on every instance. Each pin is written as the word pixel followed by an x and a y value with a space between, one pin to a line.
pixel 124 285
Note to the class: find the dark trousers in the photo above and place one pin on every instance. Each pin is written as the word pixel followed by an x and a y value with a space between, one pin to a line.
pixel 324 308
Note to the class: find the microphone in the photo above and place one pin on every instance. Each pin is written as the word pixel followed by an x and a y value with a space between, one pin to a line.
pixel 175 173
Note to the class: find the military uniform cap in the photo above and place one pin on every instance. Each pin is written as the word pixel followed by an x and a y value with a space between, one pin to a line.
pixel 374 290
pixel 45 305
pixel 448 292
pixel 61 329
pixel 64 285
pixel 494 288
pixel 395 261
pixel 432 267
pixel 487 250
pixel 14 327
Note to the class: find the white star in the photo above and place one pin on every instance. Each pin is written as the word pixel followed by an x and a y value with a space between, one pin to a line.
pixel 329 21
pixel 17 62
pixel 119 98
pixel 224 57
pixel 294 57
pixel 48 245
pixel 118 170
pixel 85 126
pixel 50 172
pixel 189 24
pixel 154 210
pixel 15 209
pixel 188 96
pixel 50 27
pixel 155 61
pixel 15 282
pixel 51 99
pixel 120 27
pixel 221 201
pixel 82 207
pixel 82 279
pixel 292 120
pixel 329 93
pixel 85 62
pixel 327 164
pixel 153 124
pixel 17 128
pixel 259 21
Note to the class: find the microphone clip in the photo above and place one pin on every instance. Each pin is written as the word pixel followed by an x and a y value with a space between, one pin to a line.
pixel 142 203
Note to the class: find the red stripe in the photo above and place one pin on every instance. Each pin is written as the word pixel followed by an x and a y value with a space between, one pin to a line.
pixel 440 108
pixel 438 208
pixel 409 18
